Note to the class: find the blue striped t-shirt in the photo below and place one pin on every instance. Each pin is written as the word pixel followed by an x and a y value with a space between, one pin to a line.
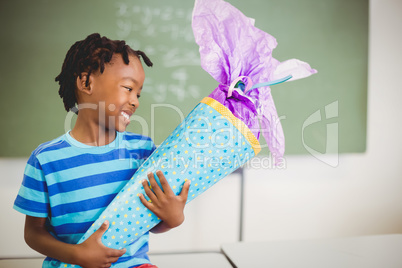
pixel 71 183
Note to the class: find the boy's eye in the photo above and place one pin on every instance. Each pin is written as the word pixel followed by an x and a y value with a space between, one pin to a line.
pixel 129 88
pixel 138 96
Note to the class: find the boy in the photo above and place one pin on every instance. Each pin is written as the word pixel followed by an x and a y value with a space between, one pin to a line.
pixel 69 181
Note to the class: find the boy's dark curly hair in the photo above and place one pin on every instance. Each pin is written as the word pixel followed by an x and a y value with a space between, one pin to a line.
pixel 90 55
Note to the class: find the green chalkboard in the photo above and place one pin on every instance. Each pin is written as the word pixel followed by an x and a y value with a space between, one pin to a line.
pixel 325 113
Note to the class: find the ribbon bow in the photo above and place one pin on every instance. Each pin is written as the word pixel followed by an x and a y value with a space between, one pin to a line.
pixel 247 85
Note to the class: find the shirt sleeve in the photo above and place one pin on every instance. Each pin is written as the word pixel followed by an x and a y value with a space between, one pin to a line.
pixel 148 149
pixel 33 198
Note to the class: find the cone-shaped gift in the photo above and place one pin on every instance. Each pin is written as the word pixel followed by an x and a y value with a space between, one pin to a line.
pixel 207 146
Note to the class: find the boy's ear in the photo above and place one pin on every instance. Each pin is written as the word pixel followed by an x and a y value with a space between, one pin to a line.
pixel 82 86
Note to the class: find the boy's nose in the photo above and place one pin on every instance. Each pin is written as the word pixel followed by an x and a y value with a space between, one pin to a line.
pixel 134 102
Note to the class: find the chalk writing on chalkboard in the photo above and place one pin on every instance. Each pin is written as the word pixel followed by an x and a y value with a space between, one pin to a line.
pixel 164 33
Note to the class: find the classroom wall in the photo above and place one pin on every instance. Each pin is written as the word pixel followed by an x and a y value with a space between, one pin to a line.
pixel 363 194
pixel 307 199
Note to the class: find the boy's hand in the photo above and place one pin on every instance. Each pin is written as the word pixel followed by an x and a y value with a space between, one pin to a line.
pixel 163 202
pixel 92 252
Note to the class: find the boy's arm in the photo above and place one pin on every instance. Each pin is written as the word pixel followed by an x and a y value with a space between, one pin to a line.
pixel 91 253
pixel 164 203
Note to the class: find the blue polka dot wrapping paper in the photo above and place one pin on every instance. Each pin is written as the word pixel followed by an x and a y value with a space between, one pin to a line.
pixel 207 146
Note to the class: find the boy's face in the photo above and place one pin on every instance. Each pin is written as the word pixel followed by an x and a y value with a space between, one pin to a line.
pixel 116 92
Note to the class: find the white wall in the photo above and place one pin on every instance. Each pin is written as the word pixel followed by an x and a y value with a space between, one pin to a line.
pixel 308 199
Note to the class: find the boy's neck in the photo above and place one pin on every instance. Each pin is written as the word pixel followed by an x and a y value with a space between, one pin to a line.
pixel 91 133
